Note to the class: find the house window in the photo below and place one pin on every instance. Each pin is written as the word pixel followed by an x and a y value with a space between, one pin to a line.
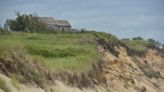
pixel 62 29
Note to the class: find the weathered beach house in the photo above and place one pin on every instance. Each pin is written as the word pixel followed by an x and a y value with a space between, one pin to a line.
pixel 50 22
pixel 63 25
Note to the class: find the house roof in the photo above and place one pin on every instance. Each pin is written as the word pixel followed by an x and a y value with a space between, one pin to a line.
pixel 63 23
pixel 47 20
pixel 52 21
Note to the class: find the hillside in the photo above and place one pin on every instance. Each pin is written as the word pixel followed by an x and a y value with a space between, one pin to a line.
pixel 59 51
pixel 79 62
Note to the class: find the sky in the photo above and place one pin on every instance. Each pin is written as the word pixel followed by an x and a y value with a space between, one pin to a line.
pixel 123 18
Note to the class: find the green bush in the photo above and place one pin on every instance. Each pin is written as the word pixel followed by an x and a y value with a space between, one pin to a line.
pixel 108 41
pixel 152 74
pixel 137 38
pixel 136 46
pixel 27 23
pixel 151 43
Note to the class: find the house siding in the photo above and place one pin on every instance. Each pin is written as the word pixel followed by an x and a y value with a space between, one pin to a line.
pixel 55 27
pixel 65 28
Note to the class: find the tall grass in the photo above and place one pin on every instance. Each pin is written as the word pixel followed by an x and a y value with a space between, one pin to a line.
pixel 72 51
pixel 136 45
pixel 15 82
pixel 3 86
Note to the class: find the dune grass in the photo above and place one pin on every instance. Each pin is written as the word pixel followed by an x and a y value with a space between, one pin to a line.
pixel 15 82
pixel 61 51
pixel 137 46
pixel 3 86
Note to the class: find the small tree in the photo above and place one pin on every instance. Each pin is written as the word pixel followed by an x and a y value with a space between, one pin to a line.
pixel 27 23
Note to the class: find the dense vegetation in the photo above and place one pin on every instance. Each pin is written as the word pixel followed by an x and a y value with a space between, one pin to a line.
pixel 27 23
pixel 72 51
pixel 138 45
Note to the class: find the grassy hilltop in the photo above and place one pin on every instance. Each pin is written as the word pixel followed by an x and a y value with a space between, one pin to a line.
pixel 72 51
pixel 75 51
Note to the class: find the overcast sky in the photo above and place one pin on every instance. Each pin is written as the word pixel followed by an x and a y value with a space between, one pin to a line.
pixel 124 18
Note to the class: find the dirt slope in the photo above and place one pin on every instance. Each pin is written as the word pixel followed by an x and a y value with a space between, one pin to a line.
pixel 133 74
pixel 58 87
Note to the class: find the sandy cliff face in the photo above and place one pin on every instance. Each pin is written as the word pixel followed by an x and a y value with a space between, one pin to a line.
pixel 133 73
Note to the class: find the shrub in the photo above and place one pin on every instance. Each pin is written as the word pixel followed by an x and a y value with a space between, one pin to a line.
pixel 27 23
pixel 137 38
pixel 152 74
pixel 136 46
pixel 151 43
pixel 108 41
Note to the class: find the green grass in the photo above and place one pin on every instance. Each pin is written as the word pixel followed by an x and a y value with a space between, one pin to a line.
pixel 138 46
pixel 61 51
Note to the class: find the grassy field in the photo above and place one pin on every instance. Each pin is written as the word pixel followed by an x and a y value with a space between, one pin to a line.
pixel 61 51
